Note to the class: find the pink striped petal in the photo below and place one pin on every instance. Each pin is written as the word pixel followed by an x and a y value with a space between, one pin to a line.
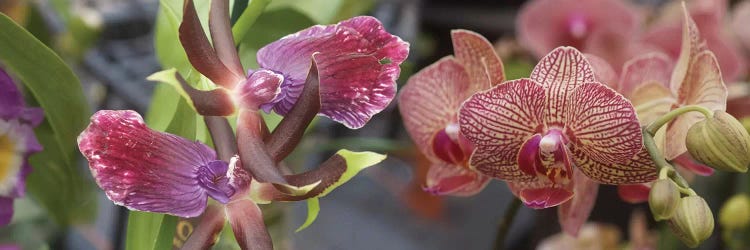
pixel 447 179
pixel 430 101
pixel 147 170
pixel 498 121
pixel 574 213
pixel 603 71
pixel 561 72
pixel 478 56
pixel 545 24
pixel 640 169
pixel 635 193
pixel 702 86
pixel 651 100
pixel 541 194
pixel 643 69
pixel 602 124
pixel 358 63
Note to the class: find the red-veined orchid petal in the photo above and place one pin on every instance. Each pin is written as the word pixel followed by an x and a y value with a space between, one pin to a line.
pixel 247 224
pixel 702 86
pixel 574 213
pixel 430 101
pixel 478 57
pixel 646 68
pixel 545 24
pixel 541 194
pixel 640 169
pixel 207 231
pixel 602 124
pixel 498 121
pixel 651 100
pixel 358 63
pixel 561 72
pixel 447 179
pixel 152 171
pixel 687 162
pixel 199 51
pixel 740 19
pixel 635 193
pixel 603 71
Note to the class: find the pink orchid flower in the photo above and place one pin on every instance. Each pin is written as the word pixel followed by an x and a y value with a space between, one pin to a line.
pixel 709 17
pixel 555 135
pixel 740 19
pixel 429 105
pixel 602 27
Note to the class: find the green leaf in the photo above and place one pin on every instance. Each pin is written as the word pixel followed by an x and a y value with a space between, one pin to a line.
pixel 55 182
pixel 247 19
pixel 355 162
pixel 143 229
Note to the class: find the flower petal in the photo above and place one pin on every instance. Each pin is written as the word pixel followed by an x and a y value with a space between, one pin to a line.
pixel 561 72
pixel 261 87
pixel 740 19
pixel 645 68
pixel 358 63
pixel 11 100
pixel 702 86
pixel 143 169
pixel 635 193
pixel 603 71
pixel 430 100
pixel 447 179
pixel 640 169
pixel 602 124
pixel 478 56
pixel 247 224
pixel 574 213
pixel 541 194
pixel 691 45
pixel 6 210
pixel 205 234
pixel 498 121
pixel 651 100
pixel 687 162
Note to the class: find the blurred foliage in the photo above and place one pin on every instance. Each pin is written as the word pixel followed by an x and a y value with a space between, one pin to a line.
pixel 56 182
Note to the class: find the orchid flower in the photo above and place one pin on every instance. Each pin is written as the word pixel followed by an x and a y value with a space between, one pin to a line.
pixel 17 143
pixel 709 18
pixel 740 18
pixel 555 135
pixel 429 106
pixel 350 68
pixel 602 27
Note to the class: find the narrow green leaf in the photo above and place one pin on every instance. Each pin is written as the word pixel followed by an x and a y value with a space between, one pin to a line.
pixel 247 19
pixel 166 233
pixel 143 229
pixel 313 209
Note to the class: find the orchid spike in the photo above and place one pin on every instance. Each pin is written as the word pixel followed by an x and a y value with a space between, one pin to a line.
pixel 541 129
pixel 429 106
pixel 17 143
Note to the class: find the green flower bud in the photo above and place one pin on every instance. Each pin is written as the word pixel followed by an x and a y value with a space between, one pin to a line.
pixel 693 221
pixel 720 142
pixel 663 199
pixel 735 214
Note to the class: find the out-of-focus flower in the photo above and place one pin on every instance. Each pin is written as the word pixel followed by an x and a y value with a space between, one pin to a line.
pixel 358 63
pixel 604 28
pixel 709 16
pixel 593 236
pixel 735 213
pixel 538 132
pixel 740 19
pixel 17 143
pixel 429 106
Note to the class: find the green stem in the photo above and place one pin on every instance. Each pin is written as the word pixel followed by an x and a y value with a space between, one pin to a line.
pixel 664 167
pixel 238 8
pixel 503 228
pixel 246 20
pixel 656 125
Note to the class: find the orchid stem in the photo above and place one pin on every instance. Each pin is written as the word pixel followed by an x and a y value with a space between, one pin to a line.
pixel 656 125
pixel 663 165
pixel 503 228
pixel 222 135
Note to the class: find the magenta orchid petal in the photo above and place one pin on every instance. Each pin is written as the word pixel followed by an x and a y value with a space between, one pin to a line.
pixel 545 197
pixel 574 213
pixel 147 170
pixel 687 162
pixel 358 63
pixel 247 224
pixel 6 210
pixel 603 71
pixel 11 100
pixel 603 125
pixel 644 69
pixel 261 87
pixel 446 179
pixel 478 57
pixel 635 193
pixel 430 101
pixel 498 121
pixel 561 72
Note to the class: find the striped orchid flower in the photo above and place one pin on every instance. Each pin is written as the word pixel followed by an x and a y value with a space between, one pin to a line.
pixel 556 135
pixel 429 106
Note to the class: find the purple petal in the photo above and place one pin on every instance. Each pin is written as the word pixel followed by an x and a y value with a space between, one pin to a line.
pixel 11 101
pixel 6 210
pixel 144 169
pixel 261 87
pixel 358 63
pixel 213 178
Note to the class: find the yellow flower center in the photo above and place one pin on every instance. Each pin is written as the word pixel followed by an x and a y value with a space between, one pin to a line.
pixel 10 164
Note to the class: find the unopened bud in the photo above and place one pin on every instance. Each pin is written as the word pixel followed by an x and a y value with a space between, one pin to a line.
pixel 720 142
pixel 692 221
pixel 663 199
pixel 735 214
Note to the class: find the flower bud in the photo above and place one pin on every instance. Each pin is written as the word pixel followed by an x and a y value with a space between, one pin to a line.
pixel 735 214
pixel 663 199
pixel 720 142
pixel 692 221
